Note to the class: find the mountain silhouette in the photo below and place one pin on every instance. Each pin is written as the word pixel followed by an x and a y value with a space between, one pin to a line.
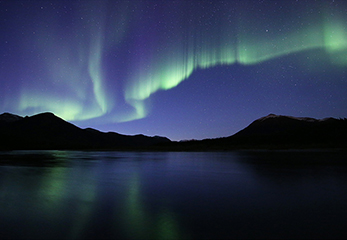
pixel 47 131
pixel 8 117
pixel 278 132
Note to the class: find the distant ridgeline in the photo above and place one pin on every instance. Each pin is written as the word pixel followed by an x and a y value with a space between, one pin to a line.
pixel 279 132
pixel 47 131
pixel 285 131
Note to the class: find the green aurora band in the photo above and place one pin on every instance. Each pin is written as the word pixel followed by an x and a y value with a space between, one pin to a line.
pixel 79 71
pixel 177 64
pixel 76 72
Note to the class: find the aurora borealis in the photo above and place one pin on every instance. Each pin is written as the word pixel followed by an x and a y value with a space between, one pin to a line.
pixel 181 69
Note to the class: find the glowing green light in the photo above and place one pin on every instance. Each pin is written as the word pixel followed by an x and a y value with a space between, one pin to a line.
pixel 86 194
pixel 53 189
pixel 95 73
pixel 178 63
pixel 138 110
pixel 75 88
pixel 167 226
pixel 135 216
pixel 139 223
pixel 335 38
pixel 39 102
pixel 76 70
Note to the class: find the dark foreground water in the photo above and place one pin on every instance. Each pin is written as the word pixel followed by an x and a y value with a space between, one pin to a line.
pixel 177 195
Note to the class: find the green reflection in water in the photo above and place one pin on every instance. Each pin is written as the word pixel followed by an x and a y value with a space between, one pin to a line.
pixel 135 216
pixel 60 184
pixel 53 189
pixel 167 226
pixel 86 195
pixel 141 224
pixel 53 185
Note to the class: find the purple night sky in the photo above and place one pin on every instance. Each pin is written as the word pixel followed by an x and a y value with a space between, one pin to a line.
pixel 181 69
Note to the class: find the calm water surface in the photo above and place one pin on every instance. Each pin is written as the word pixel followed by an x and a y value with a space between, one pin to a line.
pixel 172 195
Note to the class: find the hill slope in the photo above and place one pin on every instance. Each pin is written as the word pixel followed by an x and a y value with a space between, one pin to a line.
pixel 278 132
pixel 47 131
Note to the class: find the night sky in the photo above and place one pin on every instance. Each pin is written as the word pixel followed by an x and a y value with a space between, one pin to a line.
pixel 181 69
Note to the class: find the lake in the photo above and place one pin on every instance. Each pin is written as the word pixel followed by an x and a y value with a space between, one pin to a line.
pixel 173 195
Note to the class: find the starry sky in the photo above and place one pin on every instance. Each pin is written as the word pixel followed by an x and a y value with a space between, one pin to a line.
pixel 181 69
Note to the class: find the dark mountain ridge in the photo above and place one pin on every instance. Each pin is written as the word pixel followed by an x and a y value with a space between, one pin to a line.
pixel 47 131
pixel 294 131
pixel 8 117
pixel 279 132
